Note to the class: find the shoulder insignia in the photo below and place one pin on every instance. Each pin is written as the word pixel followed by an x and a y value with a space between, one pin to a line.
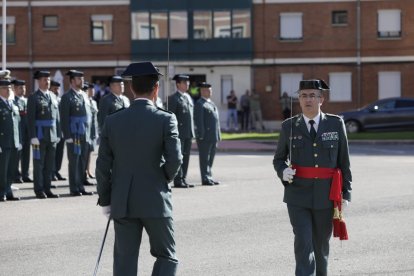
pixel 332 115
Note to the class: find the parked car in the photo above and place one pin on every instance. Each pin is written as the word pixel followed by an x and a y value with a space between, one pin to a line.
pixel 390 113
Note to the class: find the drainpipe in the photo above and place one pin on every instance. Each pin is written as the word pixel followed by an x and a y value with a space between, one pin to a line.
pixel 358 47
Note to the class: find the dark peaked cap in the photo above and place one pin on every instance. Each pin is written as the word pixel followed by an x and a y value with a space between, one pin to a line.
pixel 5 82
pixel 181 77
pixel 115 79
pixel 313 84
pixel 204 85
pixel 140 69
pixel 74 73
pixel 41 74
pixel 18 82
pixel 54 83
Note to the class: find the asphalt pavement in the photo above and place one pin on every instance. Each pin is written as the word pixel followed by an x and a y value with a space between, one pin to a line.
pixel 239 227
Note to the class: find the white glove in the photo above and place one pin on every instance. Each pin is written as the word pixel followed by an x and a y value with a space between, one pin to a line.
pixel 35 141
pixel 70 140
pixel 288 174
pixel 106 211
pixel 1 150
pixel 20 147
pixel 345 204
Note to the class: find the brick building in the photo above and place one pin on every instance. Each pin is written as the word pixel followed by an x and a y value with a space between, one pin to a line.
pixel 362 48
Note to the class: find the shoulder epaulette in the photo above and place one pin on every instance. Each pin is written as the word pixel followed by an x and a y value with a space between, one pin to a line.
pixel 162 109
pixel 117 111
pixel 332 115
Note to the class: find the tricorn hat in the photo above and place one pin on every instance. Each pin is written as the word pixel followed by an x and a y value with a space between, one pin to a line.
pixel 74 73
pixel 204 85
pixel 115 79
pixel 138 69
pixel 41 74
pixel 17 82
pixel 54 83
pixel 181 77
pixel 5 82
pixel 316 84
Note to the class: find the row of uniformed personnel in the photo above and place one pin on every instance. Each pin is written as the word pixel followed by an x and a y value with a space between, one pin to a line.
pixel 46 122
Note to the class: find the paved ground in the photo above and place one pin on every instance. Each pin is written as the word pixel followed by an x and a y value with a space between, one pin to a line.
pixel 238 228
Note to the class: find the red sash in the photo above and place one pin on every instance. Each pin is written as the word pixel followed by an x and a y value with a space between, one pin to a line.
pixel 339 227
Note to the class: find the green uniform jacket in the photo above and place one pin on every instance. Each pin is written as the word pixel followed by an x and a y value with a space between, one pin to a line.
pixel 182 107
pixel 109 104
pixel 9 126
pixel 207 122
pixel 41 108
pixel 73 104
pixel 139 154
pixel 329 150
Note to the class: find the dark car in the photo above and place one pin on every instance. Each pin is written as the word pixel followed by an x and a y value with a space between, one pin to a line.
pixel 391 113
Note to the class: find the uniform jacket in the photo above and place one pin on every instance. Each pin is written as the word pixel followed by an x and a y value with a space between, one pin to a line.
pixel 182 107
pixel 73 104
pixel 9 126
pixel 207 122
pixel 329 150
pixel 40 107
pixel 109 104
pixel 21 103
pixel 139 153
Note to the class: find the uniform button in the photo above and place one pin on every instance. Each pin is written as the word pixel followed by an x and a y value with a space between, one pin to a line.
pixel 2 134
pixel 314 144
pixel 316 155
pixel 293 146
pixel 331 146
pixel 316 166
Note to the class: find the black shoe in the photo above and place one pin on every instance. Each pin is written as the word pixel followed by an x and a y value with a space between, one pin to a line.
pixel 215 182
pixel 86 193
pixel 207 183
pixel 53 186
pixel 41 195
pixel 75 194
pixel 188 185
pixel 180 185
pixel 27 179
pixel 18 180
pixel 52 195
pixel 54 178
pixel 12 198
pixel 91 176
pixel 59 177
pixel 2 199
pixel 87 183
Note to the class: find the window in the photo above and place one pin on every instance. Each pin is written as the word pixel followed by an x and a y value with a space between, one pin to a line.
pixel 178 25
pixel 202 25
pixel 222 24
pixel 10 29
pixel 101 28
pixel 339 18
pixel 389 84
pixel 289 83
pixel 159 25
pixel 226 87
pixel 291 26
pixel 50 22
pixel 389 23
pixel 341 87
pixel 140 25
pixel 241 24
pixel 404 104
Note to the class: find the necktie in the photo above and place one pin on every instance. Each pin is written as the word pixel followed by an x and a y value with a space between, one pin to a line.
pixel 312 129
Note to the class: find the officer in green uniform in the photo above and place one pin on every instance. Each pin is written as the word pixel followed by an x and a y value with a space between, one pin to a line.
pixel 76 119
pixel 20 101
pixel 207 125
pixel 10 141
pixel 181 104
pixel 312 147
pixel 139 154
pixel 112 101
pixel 44 131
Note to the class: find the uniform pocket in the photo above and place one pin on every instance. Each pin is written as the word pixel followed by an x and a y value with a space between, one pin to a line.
pixel 332 147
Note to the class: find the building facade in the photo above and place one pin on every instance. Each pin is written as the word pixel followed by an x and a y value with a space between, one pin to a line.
pixel 362 48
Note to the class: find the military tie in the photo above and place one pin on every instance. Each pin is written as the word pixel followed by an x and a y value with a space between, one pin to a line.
pixel 312 129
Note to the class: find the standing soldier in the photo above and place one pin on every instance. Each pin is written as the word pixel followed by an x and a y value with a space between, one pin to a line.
pixel 182 106
pixel 54 87
pixel 76 122
pixel 113 101
pixel 9 140
pixel 20 101
pixel 44 131
pixel 311 156
pixel 133 172
pixel 207 123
